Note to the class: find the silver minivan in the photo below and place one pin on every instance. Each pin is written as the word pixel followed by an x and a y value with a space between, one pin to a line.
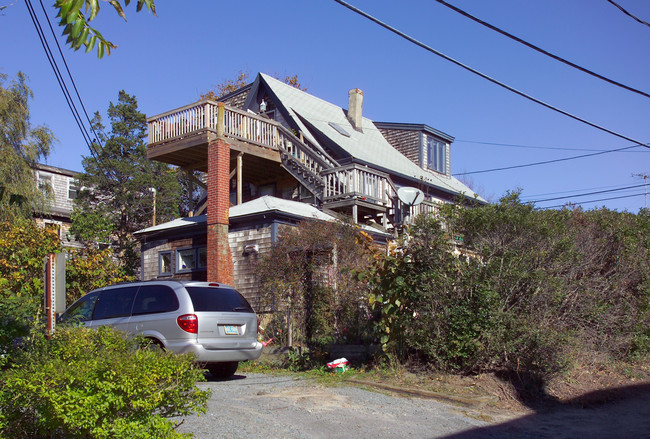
pixel 212 321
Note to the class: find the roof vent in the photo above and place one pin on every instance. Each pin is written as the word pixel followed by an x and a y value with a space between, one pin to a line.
pixel 355 106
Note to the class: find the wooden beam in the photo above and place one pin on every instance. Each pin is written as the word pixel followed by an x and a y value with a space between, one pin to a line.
pixel 257 151
pixel 240 158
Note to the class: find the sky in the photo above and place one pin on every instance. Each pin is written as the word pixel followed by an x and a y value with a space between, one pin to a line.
pixel 167 61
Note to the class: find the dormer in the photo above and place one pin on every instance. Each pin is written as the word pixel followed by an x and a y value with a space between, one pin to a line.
pixel 425 146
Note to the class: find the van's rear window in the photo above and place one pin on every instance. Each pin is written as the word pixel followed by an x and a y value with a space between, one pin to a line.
pixel 218 299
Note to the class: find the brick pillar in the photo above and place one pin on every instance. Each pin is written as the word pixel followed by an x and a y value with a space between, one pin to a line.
pixel 220 264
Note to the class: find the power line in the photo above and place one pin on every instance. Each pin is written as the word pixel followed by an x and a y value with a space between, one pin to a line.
pixel 542 51
pixel 629 14
pixel 587 193
pixel 545 162
pixel 528 197
pixel 593 201
pixel 515 145
pixel 484 76
pixel 62 84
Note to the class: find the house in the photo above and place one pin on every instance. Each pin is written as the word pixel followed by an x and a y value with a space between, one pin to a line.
pixel 60 188
pixel 270 141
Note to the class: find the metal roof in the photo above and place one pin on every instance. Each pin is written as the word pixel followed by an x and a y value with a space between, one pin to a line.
pixel 369 147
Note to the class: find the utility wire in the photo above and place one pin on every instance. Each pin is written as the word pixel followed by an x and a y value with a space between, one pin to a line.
pixel 546 162
pixel 629 14
pixel 484 76
pixel 514 145
pixel 587 193
pixel 593 201
pixel 529 197
pixel 542 51
pixel 62 84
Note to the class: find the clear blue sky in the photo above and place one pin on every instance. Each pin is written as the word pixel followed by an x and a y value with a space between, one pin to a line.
pixel 168 60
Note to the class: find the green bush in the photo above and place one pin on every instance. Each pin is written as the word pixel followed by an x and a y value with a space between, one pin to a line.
pixel 526 289
pixel 85 383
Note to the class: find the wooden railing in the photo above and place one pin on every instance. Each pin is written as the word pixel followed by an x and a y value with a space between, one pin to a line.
pixel 206 115
pixel 358 181
pixel 426 207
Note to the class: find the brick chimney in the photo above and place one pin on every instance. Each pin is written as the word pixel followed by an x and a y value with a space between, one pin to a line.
pixel 355 107
pixel 220 263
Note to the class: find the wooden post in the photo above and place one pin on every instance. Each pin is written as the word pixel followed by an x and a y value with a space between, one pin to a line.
pixel 206 115
pixel 240 158
pixel 221 111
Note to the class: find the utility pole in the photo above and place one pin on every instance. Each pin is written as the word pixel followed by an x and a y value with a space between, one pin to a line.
pixel 153 191
pixel 645 186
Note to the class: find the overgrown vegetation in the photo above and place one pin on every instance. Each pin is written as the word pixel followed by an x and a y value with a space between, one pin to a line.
pixel 309 284
pixel 528 290
pixel 85 383
pixel 497 288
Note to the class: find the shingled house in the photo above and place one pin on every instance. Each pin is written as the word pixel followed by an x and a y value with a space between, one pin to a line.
pixel 275 155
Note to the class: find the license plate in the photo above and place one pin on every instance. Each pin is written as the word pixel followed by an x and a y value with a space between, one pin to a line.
pixel 230 330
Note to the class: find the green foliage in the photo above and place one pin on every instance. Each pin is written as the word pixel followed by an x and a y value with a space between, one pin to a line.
pixel 21 147
pixel 76 14
pixel 117 199
pixel 90 268
pixel 526 290
pixel 86 383
pixel 23 247
pixel 308 281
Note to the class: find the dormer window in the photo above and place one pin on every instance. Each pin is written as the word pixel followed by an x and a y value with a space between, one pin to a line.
pixel 436 155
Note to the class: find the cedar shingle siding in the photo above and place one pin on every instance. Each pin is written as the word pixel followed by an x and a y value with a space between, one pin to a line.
pixel 405 141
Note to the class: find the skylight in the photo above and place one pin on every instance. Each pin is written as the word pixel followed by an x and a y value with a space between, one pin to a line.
pixel 339 129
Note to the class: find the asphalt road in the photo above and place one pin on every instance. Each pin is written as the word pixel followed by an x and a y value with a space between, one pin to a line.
pixel 267 406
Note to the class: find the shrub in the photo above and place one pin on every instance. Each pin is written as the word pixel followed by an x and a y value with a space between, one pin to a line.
pixel 87 383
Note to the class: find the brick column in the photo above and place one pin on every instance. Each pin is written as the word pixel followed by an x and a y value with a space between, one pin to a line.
pixel 220 264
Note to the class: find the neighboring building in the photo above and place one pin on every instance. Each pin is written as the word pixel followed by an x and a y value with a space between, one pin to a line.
pixel 270 141
pixel 60 187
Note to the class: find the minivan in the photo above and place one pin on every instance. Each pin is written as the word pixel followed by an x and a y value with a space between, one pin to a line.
pixel 212 321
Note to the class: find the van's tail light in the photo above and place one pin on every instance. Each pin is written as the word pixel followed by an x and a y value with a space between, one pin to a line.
pixel 189 323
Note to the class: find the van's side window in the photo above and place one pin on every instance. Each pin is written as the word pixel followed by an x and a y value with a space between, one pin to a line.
pixel 155 299
pixel 116 302
pixel 82 310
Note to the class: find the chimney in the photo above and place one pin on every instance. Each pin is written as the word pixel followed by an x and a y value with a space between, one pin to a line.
pixel 355 106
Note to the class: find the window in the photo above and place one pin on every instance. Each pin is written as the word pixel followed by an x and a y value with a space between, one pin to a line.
pixel 185 259
pixel 165 263
pixel 44 182
pixel 155 299
pixel 191 259
pixel 73 189
pixel 436 155
pixel 116 302
pixel 81 310
pixel 217 299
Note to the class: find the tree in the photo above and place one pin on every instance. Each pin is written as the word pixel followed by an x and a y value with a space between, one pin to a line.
pixel 308 281
pixel 118 185
pixel 242 79
pixel 75 22
pixel 21 148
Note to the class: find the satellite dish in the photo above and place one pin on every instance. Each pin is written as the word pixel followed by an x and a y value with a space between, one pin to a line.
pixel 410 196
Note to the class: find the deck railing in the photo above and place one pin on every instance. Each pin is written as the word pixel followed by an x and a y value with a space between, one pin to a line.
pixel 358 181
pixel 426 207
pixel 340 182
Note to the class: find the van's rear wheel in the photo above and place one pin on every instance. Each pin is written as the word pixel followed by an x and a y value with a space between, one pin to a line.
pixel 223 370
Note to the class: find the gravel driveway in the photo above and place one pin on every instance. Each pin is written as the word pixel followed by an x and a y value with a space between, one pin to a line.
pixel 266 406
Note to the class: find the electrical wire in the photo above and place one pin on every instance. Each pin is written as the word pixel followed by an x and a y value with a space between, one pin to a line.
pixel 546 162
pixel 514 145
pixel 594 201
pixel 529 197
pixel 542 51
pixel 587 194
pixel 64 89
pixel 484 76
pixel 629 14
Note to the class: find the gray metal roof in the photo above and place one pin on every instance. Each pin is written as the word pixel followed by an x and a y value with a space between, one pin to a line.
pixel 257 206
pixel 368 146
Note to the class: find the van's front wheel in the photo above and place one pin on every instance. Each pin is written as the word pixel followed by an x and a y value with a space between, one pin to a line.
pixel 223 370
